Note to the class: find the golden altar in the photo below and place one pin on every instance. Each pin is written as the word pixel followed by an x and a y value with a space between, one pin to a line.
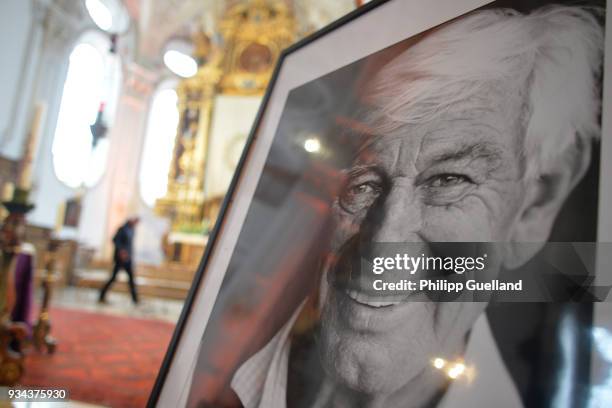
pixel 217 107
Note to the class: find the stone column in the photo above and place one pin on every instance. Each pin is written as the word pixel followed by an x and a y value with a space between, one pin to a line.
pixel 121 190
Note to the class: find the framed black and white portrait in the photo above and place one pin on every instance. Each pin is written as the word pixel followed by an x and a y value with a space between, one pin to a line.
pixel 420 124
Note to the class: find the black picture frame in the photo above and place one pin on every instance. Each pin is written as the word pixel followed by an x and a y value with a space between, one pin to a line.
pixel 233 190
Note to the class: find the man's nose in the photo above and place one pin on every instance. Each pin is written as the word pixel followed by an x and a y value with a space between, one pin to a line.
pixel 398 218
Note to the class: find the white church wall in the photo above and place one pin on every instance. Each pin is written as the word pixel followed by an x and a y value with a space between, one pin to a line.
pixel 20 42
pixel 149 236
pixel 92 225
pixel 48 192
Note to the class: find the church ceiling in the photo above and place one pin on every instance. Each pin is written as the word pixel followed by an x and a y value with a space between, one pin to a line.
pixel 160 20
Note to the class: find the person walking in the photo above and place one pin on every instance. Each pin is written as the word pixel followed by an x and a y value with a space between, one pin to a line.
pixel 122 258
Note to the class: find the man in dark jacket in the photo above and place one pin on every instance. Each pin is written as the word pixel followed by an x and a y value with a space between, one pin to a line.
pixel 123 241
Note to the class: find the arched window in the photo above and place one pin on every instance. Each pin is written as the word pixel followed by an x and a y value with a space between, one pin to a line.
pixel 108 15
pixel 89 97
pixel 159 143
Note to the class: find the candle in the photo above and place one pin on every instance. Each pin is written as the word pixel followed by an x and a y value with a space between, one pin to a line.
pixel 27 161
pixel 7 191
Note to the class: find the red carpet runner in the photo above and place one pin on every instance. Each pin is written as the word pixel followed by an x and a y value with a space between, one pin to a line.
pixel 101 359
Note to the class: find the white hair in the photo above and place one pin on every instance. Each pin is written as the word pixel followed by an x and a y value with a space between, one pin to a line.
pixel 553 55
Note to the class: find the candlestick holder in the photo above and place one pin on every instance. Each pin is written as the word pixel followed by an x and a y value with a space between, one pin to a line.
pixel 12 232
pixel 42 338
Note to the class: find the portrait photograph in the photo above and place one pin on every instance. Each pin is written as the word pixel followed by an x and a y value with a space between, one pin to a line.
pixel 471 126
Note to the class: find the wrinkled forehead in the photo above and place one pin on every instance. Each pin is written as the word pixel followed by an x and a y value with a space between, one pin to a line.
pixel 488 124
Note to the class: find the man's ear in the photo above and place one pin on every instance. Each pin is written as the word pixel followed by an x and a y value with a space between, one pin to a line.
pixel 544 196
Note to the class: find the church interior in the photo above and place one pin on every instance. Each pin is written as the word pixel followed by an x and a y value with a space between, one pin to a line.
pixel 118 113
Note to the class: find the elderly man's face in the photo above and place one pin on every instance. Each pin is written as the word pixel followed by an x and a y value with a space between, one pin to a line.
pixel 457 179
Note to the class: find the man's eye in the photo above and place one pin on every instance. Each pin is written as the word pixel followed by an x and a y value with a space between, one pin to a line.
pixel 359 197
pixel 448 180
pixel 364 188
pixel 447 188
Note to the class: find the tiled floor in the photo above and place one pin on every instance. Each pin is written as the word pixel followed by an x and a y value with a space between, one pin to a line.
pixel 118 304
